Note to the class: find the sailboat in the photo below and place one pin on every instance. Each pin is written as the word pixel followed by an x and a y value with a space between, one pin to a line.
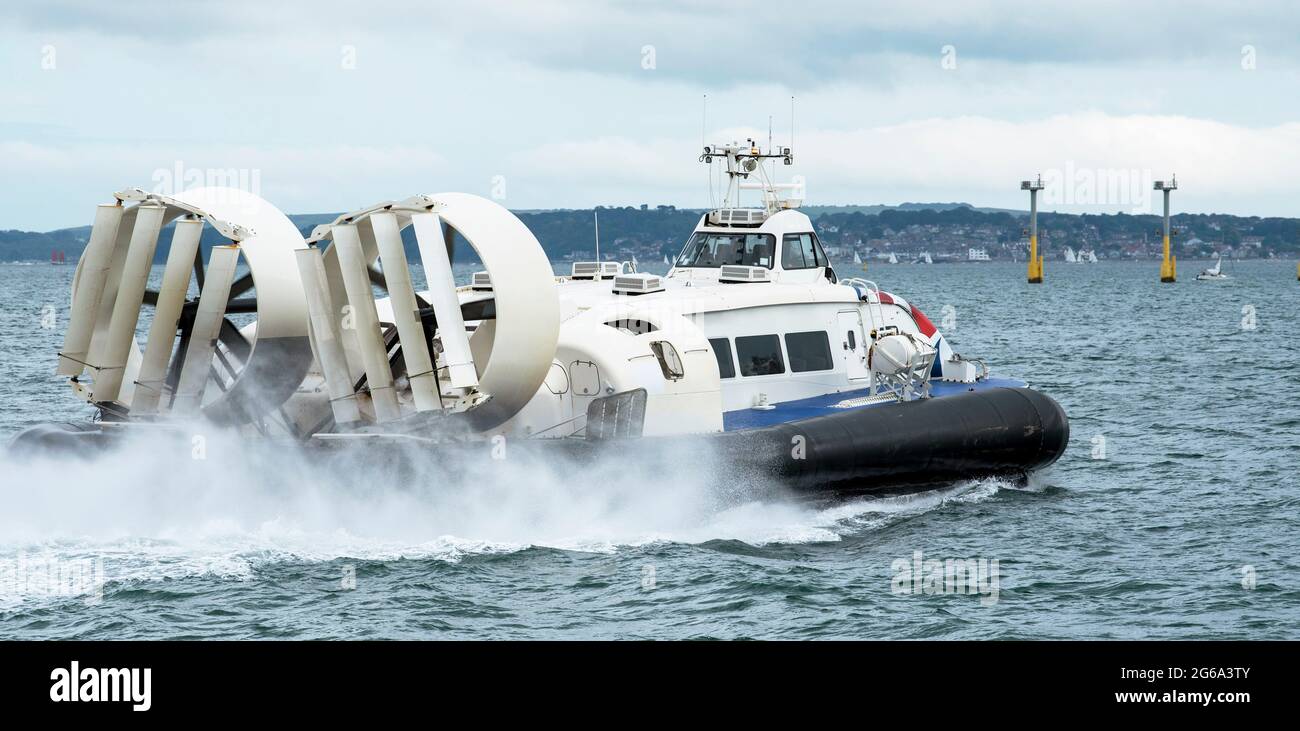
pixel 892 259
pixel 1214 273
pixel 1069 256
pixel 1087 257
pixel 858 260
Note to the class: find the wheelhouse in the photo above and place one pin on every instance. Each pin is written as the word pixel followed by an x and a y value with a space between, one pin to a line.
pixel 783 243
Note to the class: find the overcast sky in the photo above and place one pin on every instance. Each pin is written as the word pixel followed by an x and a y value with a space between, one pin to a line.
pixel 333 106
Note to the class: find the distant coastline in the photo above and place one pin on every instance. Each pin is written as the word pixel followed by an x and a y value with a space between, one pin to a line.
pixel 945 230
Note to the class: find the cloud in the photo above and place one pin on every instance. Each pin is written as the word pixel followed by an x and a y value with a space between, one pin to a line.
pixel 62 183
pixel 559 98
pixel 719 43
pixel 980 160
pixel 977 160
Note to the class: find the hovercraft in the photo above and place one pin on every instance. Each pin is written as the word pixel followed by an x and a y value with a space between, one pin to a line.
pixel 749 347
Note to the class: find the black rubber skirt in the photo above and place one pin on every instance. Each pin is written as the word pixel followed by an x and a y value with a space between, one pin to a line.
pixel 998 432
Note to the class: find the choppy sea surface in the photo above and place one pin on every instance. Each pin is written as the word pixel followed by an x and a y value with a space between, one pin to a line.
pixel 1173 514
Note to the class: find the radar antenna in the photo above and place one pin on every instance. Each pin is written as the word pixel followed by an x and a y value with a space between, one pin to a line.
pixel 743 160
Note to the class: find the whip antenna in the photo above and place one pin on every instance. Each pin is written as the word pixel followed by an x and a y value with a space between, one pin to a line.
pixel 792 124
pixel 704 122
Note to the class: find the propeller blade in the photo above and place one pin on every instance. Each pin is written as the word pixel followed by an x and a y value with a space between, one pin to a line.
pixel 479 310
pixel 199 274
pixel 169 300
pixel 95 264
pixel 241 285
pixel 130 298
pixel 234 340
pixel 208 320
pixel 242 306
pixel 352 264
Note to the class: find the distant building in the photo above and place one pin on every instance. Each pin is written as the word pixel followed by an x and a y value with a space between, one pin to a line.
pixel 974 254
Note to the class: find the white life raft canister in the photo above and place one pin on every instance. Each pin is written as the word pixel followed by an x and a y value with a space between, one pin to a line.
pixel 892 354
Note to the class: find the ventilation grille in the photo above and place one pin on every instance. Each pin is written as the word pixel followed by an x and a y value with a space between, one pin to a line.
pixel 590 269
pixel 733 273
pixel 641 283
pixel 737 216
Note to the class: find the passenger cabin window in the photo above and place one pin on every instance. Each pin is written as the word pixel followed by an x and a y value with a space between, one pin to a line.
pixel 759 355
pixel 722 351
pixel 716 249
pixel 669 361
pixel 809 351
pixel 802 251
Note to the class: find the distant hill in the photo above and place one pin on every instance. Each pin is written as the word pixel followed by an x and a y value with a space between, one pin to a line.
pixel 872 210
pixel 654 232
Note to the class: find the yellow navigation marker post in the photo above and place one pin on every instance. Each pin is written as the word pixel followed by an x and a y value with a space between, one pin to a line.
pixel 1169 265
pixel 1035 259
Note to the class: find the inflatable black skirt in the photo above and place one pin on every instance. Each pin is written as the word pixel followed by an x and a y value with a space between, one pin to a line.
pixel 998 432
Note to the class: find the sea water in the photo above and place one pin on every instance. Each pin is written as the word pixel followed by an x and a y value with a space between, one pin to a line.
pixel 1174 512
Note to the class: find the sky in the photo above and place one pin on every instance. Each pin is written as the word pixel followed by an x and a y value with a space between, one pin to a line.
pixel 327 106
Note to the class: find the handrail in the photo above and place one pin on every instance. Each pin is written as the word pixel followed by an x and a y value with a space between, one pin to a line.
pixel 878 314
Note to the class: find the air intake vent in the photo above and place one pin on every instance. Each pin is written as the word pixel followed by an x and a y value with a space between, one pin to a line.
pixel 737 217
pixel 737 274
pixel 592 269
pixel 641 283
pixel 482 282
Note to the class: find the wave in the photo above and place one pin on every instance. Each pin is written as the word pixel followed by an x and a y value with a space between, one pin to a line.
pixel 205 503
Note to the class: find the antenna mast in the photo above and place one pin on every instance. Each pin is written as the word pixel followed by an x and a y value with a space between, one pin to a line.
pixel 742 160
pixel 791 123
pixel 704 122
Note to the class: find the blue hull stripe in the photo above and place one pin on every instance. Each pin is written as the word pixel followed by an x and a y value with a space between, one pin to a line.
pixel 825 404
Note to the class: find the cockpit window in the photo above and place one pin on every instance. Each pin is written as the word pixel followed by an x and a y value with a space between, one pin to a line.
pixel 716 249
pixel 802 251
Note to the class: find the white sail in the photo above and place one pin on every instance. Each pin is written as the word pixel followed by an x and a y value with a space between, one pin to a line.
pixel 1214 272
pixel 1069 255
pixel 856 259
pixel 892 259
